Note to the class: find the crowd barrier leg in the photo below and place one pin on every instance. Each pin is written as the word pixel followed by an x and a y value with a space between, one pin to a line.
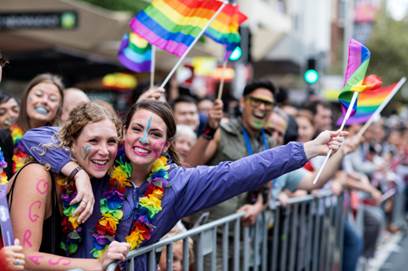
pixel 301 253
pixel 237 239
pixel 316 236
pixel 309 246
pixel 283 237
pixel 225 244
pixel 275 239
pixel 186 255
pixel 293 236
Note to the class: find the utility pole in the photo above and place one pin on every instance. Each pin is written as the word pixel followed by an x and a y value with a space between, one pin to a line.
pixel 348 28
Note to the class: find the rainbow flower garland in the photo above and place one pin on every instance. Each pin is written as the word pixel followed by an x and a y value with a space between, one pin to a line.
pixel 71 229
pixel 111 208
pixel 19 155
pixel 3 165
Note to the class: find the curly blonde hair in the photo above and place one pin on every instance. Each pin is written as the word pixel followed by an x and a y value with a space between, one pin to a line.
pixel 83 115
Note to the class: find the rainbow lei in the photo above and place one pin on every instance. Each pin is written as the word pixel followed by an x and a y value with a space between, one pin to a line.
pixel 111 208
pixel 19 155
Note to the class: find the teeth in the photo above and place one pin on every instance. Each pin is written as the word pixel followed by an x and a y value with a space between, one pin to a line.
pixel 140 150
pixel 98 162
pixel 42 110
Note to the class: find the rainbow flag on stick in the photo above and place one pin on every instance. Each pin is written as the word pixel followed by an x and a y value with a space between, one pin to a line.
pixel 354 83
pixel 368 102
pixel 135 53
pixel 357 64
pixel 394 89
pixel 225 28
pixel 173 25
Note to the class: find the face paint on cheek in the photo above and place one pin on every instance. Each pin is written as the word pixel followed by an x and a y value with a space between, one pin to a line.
pixel 258 124
pixel 143 139
pixel 86 149
pixel 157 148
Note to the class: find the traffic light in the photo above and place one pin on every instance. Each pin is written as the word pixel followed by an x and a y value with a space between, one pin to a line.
pixel 311 75
pixel 243 51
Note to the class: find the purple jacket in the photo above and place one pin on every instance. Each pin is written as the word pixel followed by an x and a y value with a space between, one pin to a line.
pixel 192 189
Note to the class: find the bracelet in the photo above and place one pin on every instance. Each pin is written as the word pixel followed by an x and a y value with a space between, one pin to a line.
pixel 74 172
pixel 208 132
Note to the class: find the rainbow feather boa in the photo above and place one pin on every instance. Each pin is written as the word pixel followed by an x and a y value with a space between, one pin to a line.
pixel 19 155
pixel 111 208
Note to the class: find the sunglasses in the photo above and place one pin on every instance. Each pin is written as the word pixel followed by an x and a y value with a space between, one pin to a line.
pixel 256 102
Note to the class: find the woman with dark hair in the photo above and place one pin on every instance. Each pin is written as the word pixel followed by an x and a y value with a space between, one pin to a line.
pixel 9 110
pixel 159 191
pixel 41 105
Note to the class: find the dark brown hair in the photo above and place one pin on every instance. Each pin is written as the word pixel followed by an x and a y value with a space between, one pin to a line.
pixel 23 119
pixel 163 110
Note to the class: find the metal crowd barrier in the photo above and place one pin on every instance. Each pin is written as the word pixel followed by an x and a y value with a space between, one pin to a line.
pixel 306 234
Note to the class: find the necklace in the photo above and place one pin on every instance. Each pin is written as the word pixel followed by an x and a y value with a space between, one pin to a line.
pixel 111 205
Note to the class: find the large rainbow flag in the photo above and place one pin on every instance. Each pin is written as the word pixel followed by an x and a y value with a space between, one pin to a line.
pixel 225 28
pixel 135 53
pixel 173 25
pixel 357 64
pixel 368 102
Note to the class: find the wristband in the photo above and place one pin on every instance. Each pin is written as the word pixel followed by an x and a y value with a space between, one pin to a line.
pixel 74 172
pixel 208 132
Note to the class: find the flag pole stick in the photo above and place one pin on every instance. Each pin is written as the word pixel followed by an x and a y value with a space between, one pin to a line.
pixel 221 87
pixel 378 111
pixel 152 66
pixel 346 117
pixel 192 45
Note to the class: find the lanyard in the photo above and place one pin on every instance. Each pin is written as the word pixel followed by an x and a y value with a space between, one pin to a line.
pixel 247 141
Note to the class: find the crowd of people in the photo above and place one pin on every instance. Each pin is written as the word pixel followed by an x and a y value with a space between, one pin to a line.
pixel 85 186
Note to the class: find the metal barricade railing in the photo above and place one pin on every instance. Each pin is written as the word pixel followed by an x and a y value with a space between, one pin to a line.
pixel 306 234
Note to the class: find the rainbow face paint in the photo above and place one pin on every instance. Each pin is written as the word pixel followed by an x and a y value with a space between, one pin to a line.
pixel 144 138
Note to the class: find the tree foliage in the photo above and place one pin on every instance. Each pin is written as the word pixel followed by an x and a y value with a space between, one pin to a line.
pixel 120 5
pixel 388 44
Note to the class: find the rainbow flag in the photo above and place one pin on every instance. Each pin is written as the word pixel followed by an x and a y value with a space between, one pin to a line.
pixel 135 53
pixel 368 102
pixel 173 25
pixel 225 28
pixel 357 64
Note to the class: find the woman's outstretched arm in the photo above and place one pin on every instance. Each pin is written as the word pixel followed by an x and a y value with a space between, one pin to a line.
pixel 203 186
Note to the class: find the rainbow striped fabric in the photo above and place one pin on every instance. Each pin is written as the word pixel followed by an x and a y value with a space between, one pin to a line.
pixel 369 101
pixel 357 64
pixel 135 53
pixel 172 25
pixel 225 28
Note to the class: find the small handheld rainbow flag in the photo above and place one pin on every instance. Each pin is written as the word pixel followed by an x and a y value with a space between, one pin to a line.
pixel 357 64
pixel 224 29
pixel 135 53
pixel 173 25
pixel 369 100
